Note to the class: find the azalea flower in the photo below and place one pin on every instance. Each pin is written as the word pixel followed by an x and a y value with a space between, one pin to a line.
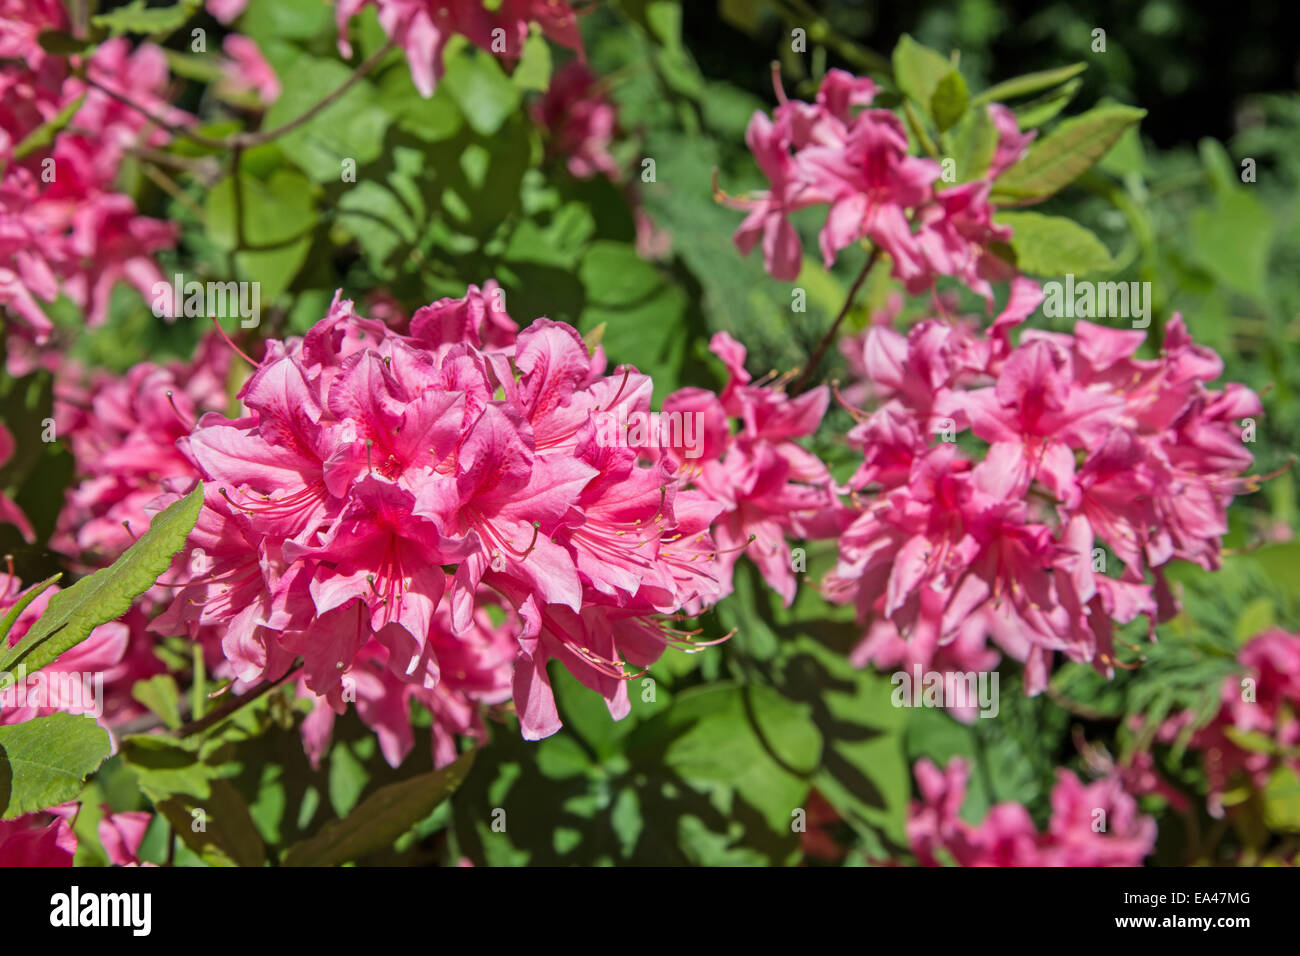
pixel 1008 837
pixel 1085 446
pixel 384 488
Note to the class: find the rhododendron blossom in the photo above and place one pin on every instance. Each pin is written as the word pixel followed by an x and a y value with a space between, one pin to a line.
pixel 1008 837
pixel 62 225
pixel 1087 448
pixel 385 488
pixel 1262 700
pixel 423 27
pixel 856 162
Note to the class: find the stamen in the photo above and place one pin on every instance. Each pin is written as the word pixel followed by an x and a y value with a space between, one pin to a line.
pixel 858 414
pixel 237 350
pixel 181 418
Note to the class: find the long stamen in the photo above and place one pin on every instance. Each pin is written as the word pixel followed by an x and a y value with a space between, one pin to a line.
pixel 237 350
pixel 171 400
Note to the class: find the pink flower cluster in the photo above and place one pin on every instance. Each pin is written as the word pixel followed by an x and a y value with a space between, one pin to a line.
pixel 856 163
pixel 432 511
pixel 63 227
pixel 109 652
pixel 47 838
pixel 767 486
pixel 122 431
pixel 423 27
pixel 1085 447
pixel 1097 824
pixel 10 513
pixel 581 122
pixel 1262 702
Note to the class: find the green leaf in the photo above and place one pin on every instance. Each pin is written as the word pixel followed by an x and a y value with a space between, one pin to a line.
pixel 45 762
pixel 44 134
pixel 948 102
pixel 973 143
pixel 161 695
pixel 138 17
pixel 1029 83
pixel 352 127
pixel 32 593
pixel 1282 800
pixel 279 214
pixel 1038 111
pixel 482 90
pixel 62 43
pixel 1065 154
pixel 107 594
pixel 218 827
pixel 381 818
pixel 1054 245
pixel 919 70
pixel 534 69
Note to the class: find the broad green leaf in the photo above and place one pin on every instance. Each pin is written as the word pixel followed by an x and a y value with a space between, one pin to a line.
pixel 972 143
pixel 481 89
pixel 534 69
pixel 352 127
pixel 1231 240
pixel 138 17
pixel 62 43
pixel 1064 154
pixel 1041 109
pixel 1282 800
pixel 380 819
pixel 107 594
pixel 279 214
pixel 44 134
pixel 289 19
pixel 948 102
pixel 1029 83
pixel 161 695
pixel 45 761
pixel 28 596
pixel 164 766
pixel 1054 245
pixel 919 70
pixel 217 827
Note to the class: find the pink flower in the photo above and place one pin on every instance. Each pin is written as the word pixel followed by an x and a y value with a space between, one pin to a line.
pixel 580 120
pixel 226 10
pixel 1091 825
pixel 122 431
pixel 384 487
pixel 39 839
pixel 121 834
pixel 10 513
pixel 1263 700
pixel 423 27
pixel 1087 445
pixel 247 70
